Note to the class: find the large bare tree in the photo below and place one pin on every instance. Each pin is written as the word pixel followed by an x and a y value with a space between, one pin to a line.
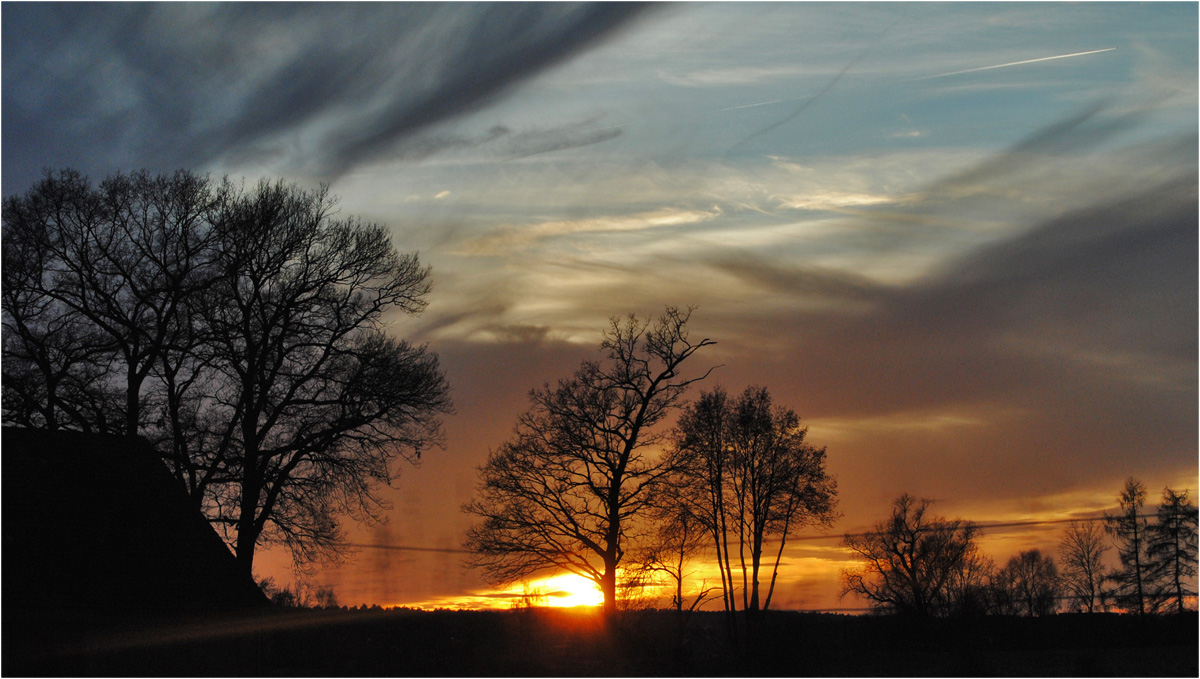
pixel 241 331
pixel 319 401
pixel 564 491
pixel 120 259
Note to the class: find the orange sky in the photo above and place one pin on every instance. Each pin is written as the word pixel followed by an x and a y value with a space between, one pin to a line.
pixel 958 239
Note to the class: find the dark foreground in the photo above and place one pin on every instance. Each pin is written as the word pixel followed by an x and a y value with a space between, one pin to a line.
pixel 577 643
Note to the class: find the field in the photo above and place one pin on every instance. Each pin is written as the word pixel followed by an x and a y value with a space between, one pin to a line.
pixel 558 642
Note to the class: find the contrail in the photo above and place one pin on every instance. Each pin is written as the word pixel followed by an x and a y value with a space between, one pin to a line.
pixel 1016 63
pixel 761 103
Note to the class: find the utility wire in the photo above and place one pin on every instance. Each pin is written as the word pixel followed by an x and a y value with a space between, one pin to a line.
pixel 826 536
pixel 404 548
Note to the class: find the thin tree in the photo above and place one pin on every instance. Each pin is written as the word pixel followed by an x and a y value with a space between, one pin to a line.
pixel 564 492
pixel 1134 584
pixel 912 560
pixel 1081 553
pixel 680 536
pixel 1171 546
pixel 699 464
pixel 752 476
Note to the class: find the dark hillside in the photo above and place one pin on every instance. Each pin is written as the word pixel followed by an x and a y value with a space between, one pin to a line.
pixel 95 522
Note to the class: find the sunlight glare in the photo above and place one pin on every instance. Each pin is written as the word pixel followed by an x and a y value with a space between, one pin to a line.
pixel 567 590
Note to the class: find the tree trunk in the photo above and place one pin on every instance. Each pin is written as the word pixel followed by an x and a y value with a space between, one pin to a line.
pixel 247 538
pixel 247 527
pixel 1178 582
pixel 608 587
pixel 1137 566
pixel 755 562
pixel 133 402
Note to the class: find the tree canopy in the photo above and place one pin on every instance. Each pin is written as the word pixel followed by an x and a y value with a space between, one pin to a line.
pixel 239 329
pixel 564 492
pixel 916 562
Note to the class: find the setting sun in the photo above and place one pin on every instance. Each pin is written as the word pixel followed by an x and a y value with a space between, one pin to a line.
pixel 567 590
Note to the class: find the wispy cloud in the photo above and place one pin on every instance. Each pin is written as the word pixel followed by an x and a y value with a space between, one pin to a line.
pixel 514 237
pixel 321 87
pixel 834 200
pixel 741 75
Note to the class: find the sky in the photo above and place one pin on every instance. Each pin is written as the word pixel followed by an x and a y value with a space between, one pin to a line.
pixel 959 239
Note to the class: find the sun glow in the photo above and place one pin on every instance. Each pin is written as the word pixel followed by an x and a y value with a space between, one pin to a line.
pixel 567 590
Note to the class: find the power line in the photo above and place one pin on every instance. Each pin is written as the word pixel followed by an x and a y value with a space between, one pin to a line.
pixel 979 525
pixel 404 548
pixel 801 538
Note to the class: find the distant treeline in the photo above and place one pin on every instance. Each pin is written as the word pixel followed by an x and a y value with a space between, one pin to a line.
pixel 918 563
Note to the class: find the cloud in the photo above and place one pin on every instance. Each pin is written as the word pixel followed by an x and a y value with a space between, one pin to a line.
pixel 558 139
pixel 517 236
pixel 504 143
pixel 324 87
pixel 740 75
pixel 834 200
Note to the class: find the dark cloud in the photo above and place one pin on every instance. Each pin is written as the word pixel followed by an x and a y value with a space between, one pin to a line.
pixel 777 278
pixel 324 85
pixel 1095 298
pixel 558 139
pixel 506 143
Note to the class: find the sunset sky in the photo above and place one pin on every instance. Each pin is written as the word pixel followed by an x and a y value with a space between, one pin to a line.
pixel 960 240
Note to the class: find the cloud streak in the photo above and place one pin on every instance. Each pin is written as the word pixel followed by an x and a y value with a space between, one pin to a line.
pixel 317 87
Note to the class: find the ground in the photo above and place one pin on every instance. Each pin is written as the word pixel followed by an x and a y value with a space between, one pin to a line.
pixel 558 642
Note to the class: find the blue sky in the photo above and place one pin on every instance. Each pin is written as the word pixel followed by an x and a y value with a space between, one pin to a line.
pixel 971 267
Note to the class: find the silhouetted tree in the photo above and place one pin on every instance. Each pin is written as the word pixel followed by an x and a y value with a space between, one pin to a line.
pixel 318 400
pixel 563 492
pixel 241 332
pixel 1028 585
pixel 121 258
pixel 1133 582
pixel 1081 553
pixel 751 476
pixel 1171 546
pixel 299 594
pixel 914 562
pixel 325 597
pixel 678 538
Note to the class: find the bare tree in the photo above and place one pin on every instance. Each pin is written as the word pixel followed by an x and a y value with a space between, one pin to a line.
pixel 121 258
pixel 912 561
pixel 751 476
pixel 1028 585
pixel 1134 585
pixel 317 401
pixel 680 536
pixel 57 363
pixel 1081 554
pixel 1171 546
pixel 564 491
pixel 241 332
